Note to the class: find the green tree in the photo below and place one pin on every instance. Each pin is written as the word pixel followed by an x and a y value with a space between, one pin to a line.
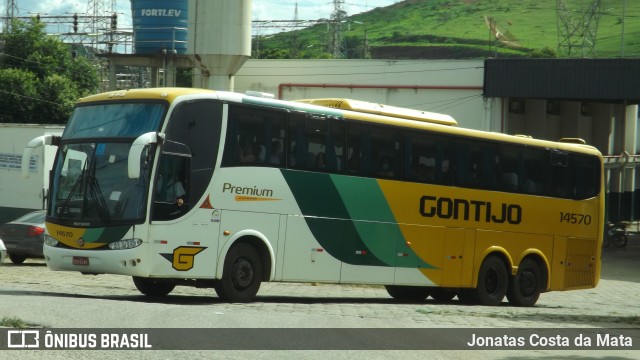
pixel 19 95
pixel 39 76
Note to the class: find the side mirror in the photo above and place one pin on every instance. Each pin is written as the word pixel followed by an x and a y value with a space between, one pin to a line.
pixel 133 165
pixel 43 140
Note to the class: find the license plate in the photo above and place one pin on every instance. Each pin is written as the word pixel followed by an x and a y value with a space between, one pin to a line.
pixel 80 260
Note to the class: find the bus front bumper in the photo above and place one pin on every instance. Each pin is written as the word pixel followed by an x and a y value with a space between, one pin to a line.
pixel 130 262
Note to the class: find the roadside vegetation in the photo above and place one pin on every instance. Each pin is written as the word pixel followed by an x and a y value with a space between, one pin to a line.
pixel 15 323
pixel 41 76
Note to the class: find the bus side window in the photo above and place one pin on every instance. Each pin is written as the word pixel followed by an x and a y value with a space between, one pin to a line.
pixel 373 151
pixel 561 179
pixel 477 164
pixel 255 136
pixel 586 175
pixel 427 158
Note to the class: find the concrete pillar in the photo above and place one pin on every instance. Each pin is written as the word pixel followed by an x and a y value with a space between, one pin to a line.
pixel 112 76
pixel 220 82
pixel 169 72
pixel 629 173
pixel 603 128
pixel 155 77
pixel 536 113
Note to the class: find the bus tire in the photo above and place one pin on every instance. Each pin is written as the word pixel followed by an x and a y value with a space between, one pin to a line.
pixel 493 281
pixel 443 294
pixel 153 287
pixel 408 293
pixel 242 274
pixel 526 285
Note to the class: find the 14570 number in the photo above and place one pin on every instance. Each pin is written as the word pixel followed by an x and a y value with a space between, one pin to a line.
pixel 572 218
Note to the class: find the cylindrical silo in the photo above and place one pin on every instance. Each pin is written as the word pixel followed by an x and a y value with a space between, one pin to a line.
pixel 219 40
pixel 160 26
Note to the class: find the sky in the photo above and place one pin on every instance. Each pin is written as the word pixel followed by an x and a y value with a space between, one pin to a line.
pixel 262 9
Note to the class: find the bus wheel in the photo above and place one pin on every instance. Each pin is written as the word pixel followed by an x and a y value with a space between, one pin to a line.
pixel 152 287
pixel 241 276
pixel 493 281
pixel 443 294
pixel 526 285
pixel 408 293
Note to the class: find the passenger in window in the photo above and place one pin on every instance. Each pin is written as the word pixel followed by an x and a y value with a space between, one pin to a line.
pixel 385 167
pixel 248 154
pixel 170 189
pixel 260 152
pixel 292 156
pixel 276 153
pixel 353 165
pixel 321 162
pixel 529 186
pixel 426 173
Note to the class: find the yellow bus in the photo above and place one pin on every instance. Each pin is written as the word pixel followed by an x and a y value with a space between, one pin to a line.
pixel 222 190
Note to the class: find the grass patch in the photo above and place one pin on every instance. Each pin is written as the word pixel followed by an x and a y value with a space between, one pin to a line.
pixel 14 322
pixel 533 23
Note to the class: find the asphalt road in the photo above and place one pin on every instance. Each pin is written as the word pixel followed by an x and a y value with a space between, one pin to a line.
pixel 62 300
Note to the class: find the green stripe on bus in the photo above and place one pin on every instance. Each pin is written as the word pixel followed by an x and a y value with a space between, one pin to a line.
pixel 328 219
pixel 105 235
pixel 351 219
pixel 375 221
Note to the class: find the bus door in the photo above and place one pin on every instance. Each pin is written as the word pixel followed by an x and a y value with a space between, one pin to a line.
pixel 184 225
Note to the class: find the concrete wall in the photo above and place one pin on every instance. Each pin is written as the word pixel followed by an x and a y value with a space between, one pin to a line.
pixel 17 194
pixel 452 87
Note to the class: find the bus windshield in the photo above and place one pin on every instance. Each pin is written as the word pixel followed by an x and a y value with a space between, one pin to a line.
pixel 90 183
pixel 114 120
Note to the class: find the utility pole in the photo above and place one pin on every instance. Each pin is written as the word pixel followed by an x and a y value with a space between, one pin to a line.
pixel 11 10
pixel 624 11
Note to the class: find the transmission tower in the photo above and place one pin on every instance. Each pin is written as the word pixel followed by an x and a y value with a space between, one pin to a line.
pixel 338 16
pixel 11 10
pixel 577 34
pixel 98 14
pixel 295 37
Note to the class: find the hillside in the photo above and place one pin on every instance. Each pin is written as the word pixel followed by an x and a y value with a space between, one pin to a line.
pixel 443 29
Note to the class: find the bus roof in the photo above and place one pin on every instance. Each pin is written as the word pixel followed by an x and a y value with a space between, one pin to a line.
pixel 369 112
pixel 168 94
pixel 380 109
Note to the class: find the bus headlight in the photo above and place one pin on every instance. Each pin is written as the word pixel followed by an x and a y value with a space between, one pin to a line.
pixel 50 241
pixel 125 244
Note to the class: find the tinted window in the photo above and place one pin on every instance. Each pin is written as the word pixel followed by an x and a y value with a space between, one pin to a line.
pixel 427 158
pixel 316 143
pixel 255 137
pixel 477 164
pixel 373 151
pixel 574 176
pixel 523 169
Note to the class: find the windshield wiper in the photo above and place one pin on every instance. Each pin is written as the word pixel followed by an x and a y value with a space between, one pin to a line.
pixel 101 203
pixel 74 188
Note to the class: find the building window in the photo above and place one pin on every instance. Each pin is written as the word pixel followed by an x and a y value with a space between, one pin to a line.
pixel 516 106
pixel 553 107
